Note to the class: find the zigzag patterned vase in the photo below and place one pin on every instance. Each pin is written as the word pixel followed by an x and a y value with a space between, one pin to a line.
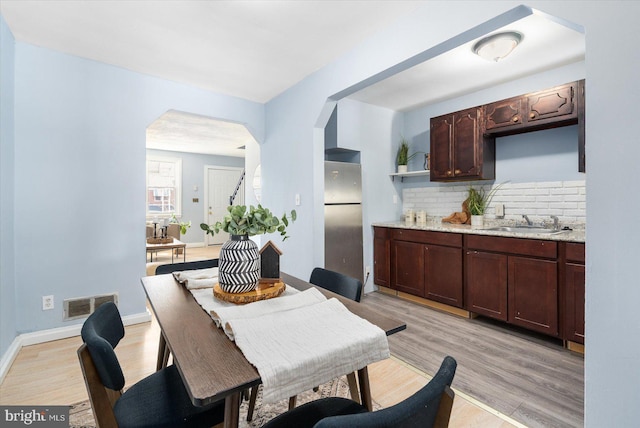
pixel 239 265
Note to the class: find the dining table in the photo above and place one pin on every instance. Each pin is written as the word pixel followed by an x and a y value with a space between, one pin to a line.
pixel 211 365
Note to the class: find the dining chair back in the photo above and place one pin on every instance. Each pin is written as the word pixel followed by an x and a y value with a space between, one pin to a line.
pixel 163 349
pixel 339 283
pixel 427 408
pixel 159 400
pixel 178 267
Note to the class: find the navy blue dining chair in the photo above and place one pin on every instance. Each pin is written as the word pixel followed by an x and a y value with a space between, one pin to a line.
pixel 159 400
pixel 163 348
pixel 427 408
pixel 339 283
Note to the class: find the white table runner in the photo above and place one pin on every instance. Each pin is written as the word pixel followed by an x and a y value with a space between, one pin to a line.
pixel 297 347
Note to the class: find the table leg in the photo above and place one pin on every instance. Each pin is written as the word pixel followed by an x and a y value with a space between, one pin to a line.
pixel 353 387
pixel 365 390
pixel 184 254
pixel 232 410
pixel 163 353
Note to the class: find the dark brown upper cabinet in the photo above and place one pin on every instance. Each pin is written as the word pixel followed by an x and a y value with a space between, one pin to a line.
pixel 504 115
pixel 459 150
pixel 550 108
pixel 463 143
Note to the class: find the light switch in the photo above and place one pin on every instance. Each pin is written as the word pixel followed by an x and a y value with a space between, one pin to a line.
pixel 500 210
pixel 297 199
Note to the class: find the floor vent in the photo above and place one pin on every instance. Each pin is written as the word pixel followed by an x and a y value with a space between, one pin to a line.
pixel 82 307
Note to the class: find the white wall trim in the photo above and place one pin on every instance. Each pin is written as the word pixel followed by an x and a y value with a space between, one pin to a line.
pixel 49 335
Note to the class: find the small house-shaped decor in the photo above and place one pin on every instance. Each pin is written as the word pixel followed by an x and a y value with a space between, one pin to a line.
pixel 270 262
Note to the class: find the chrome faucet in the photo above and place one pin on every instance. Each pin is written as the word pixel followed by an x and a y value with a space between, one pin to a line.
pixel 556 223
pixel 529 222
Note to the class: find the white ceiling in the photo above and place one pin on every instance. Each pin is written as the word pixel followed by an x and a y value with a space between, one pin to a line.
pixel 192 133
pixel 547 44
pixel 257 49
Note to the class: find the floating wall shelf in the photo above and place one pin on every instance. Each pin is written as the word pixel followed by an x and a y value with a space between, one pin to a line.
pixel 409 174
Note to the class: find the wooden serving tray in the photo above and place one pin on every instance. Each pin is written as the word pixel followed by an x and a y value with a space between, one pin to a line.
pixel 264 290
pixel 159 240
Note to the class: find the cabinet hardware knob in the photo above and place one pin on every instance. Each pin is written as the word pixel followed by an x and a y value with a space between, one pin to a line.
pixel 532 115
pixel 449 173
pixel 458 171
pixel 515 118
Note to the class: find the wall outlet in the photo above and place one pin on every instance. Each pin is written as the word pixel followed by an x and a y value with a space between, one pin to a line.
pixel 500 210
pixel 367 270
pixel 47 303
pixel 297 199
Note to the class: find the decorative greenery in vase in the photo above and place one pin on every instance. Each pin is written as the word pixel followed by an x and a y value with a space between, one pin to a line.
pixel 255 221
pixel 478 200
pixel 184 225
pixel 403 157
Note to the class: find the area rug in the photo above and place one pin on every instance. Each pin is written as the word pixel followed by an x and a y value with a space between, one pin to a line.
pixel 81 415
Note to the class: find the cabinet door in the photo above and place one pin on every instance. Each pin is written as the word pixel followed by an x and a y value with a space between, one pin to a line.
pixel 574 303
pixel 381 257
pixel 533 294
pixel 408 269
pixel 466 143
pixel 443 274
pixel 486 284
pixel 504 115
pixel 552 105
pixel 441 146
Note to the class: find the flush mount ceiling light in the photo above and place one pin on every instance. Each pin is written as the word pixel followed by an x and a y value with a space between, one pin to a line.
pixel 497 46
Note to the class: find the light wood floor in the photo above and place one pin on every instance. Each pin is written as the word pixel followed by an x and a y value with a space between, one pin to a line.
pixel 49 373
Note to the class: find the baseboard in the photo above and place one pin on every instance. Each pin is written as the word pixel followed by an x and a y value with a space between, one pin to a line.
pixel 52 334
pixel 8 358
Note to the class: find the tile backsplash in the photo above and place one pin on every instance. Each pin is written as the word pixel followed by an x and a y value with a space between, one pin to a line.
pixel 538 200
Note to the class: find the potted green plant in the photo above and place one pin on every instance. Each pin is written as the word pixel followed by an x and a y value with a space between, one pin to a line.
pixel 478 201
pixel 403 157
pixel 184 225
pixel 239 260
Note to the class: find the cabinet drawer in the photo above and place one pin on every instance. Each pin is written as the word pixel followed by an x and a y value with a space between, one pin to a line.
pixel 527 247
pixel 381 232
pixel 428 237
pixel 575 252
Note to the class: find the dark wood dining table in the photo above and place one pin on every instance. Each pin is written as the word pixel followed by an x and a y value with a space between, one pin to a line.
pixel 212 367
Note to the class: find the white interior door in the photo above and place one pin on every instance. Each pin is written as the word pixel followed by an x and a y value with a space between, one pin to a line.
pixel 221 183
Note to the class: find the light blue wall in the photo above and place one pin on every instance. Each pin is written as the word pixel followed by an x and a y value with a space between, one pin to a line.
pixel 80 176
pixel 193 175
pixel 7 150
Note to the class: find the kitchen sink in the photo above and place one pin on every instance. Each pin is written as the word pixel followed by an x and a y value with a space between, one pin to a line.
pixel 527 229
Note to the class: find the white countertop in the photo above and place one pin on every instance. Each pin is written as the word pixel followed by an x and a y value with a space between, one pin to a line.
pixel 576 235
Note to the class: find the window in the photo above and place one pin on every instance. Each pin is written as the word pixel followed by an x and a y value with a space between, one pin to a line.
pixel 164 186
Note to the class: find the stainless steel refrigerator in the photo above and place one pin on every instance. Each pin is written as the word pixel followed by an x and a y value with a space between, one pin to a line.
pixel 343 218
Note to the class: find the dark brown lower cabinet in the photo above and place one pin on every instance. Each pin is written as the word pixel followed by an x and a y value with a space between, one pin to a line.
pixel 574 293
pixel 486 279
pixel 428 264
pixel 408 269
pixel 533 294
pixel 443 274
pixel 381 256
pixel 532 283
pixel 513 280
